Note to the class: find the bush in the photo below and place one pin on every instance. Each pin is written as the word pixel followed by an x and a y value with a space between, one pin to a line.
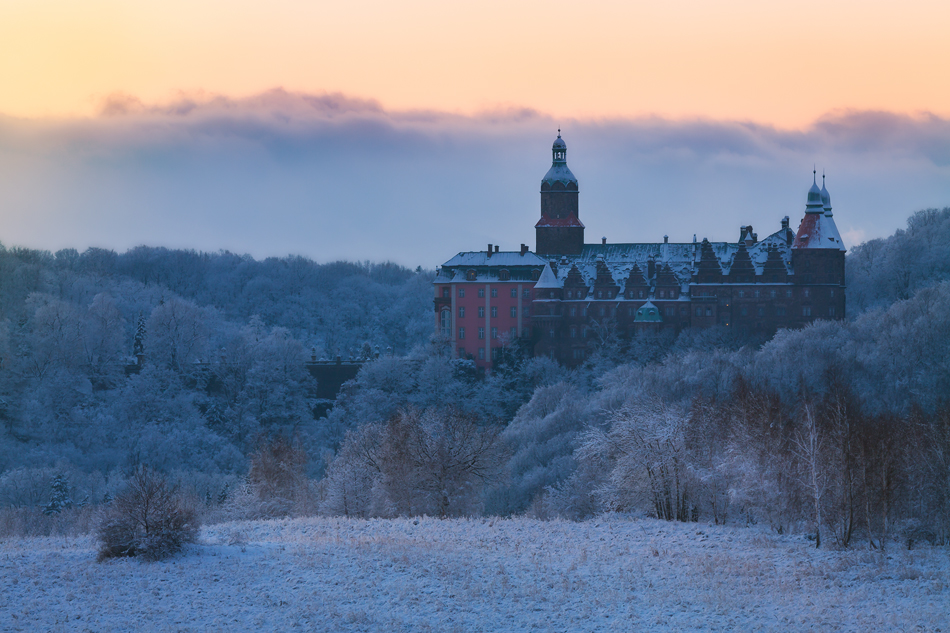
pixel 147 519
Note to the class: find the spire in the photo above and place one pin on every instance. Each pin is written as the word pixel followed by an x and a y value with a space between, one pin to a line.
pixel 825 196
pixel 814 203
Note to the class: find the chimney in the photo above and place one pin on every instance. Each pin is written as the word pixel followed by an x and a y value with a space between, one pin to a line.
pixel 651 268
pixel 785 222
pixel 666 239
pixel 742 232
pixel 489 251
pixel 694 238
pixel 755 238
pixel 496 248
pixel 524 249
pixel 603 240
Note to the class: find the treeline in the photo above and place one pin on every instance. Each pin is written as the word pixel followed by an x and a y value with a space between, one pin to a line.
pixel 222 341
pixel 840 429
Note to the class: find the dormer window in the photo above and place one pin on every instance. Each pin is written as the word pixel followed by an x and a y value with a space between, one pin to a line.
pixel 535 274
pixel 471 275
pixel 504 275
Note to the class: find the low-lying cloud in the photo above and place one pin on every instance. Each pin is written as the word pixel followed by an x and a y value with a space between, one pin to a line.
pixel 330 176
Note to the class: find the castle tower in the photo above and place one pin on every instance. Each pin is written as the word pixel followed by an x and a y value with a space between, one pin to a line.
pixel 818 259
pixel 559 231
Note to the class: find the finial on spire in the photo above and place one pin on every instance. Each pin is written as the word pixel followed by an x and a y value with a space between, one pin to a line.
pixel 822 177
pixel 559 131
pixel 814 172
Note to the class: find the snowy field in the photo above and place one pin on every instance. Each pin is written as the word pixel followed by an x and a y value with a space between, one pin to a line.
pixel 475 575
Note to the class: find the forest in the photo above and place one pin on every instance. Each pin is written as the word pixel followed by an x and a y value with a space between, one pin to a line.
pixel 193 364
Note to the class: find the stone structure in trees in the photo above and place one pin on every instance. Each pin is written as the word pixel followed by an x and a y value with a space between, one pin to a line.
pixel 566 295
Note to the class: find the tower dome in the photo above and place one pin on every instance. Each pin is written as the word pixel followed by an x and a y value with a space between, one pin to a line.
pixel 814 203
pixel 559 172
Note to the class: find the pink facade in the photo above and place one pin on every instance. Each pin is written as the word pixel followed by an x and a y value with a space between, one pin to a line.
pixel 482 318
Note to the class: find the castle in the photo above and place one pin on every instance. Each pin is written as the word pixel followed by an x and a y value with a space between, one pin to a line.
pixel 567 296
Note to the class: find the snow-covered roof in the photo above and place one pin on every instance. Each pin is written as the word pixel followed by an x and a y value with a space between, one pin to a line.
pixel 818 231
pixel 548 279
pixel 502 259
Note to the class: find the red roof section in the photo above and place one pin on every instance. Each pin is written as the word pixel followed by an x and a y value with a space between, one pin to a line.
pixel 558 223
pixel 807 231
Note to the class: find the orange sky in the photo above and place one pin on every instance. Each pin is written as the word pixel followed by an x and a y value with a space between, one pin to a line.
pixel 783 65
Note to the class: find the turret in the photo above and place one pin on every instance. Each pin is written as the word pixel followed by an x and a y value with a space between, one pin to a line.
pixel 559 230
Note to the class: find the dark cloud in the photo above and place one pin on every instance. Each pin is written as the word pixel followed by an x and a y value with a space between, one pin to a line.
pixel 331 176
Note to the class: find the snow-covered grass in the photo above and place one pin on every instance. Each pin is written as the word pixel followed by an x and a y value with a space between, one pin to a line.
pixel 609 574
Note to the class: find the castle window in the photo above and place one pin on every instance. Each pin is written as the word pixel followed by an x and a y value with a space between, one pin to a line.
pixel 584 312
pixel 708 311
pixel 670 311
pixel 552 294
pixel 461 293
pixel 699 312
pixel 741 294
pixel 551 333
pixel 504 275
pixel 630 311
pixel 573 311
pixel 481 312
pixel 578 354
pixel 481 293
pixel 806 292
pixel 832 292
pixel 494 292
pixel 514 293
pixel 806 311
pixel 584 332
pixel 600 294
pixel 639 294
pixel 494 353
pixel 570 294
pixel 461 352
pixel 461 312
pixel 780 311
pixel 573 332
pixel 601 311
pixel 755 293
pixel 445 322
pixel 513 333
pixel 494 312
pixel 662 294
pixel 761 311
pixel 683 311
pixel 446 292
pixel 526 293
pixel 494 332
pixel 788 293
pixel 471 275
pixel 526 311
pixel 831 311
pixel 772 293
pixel 481 333
pixel 481 353
pixel 535 274
pixel 514 312
pixel 461 332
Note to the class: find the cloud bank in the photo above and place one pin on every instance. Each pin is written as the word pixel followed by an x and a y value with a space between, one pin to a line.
pixel 333 177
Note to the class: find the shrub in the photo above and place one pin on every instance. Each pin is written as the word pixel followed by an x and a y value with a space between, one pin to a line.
pixel 148 519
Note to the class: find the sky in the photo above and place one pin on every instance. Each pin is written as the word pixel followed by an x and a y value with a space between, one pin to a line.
pixel 410 131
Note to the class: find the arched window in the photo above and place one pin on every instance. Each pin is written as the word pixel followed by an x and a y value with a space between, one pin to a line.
pixel 471 275
pixel 504 275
